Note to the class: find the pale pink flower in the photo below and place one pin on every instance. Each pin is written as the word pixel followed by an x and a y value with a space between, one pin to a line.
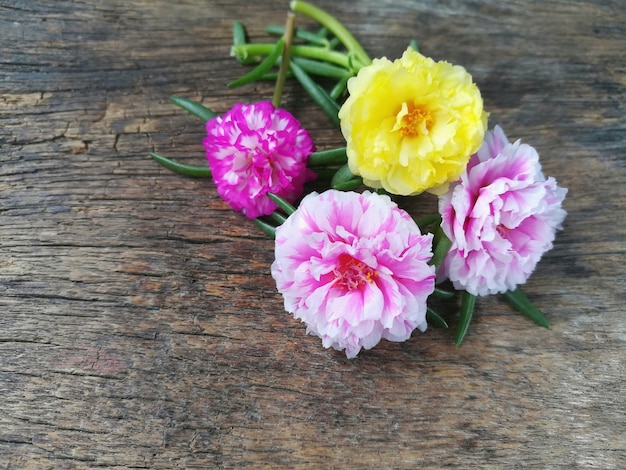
pixel 353 267
pixel 255 149
pixel 501 216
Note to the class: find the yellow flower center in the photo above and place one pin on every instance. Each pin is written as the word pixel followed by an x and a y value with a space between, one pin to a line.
pixel 413 120
pixel 351 273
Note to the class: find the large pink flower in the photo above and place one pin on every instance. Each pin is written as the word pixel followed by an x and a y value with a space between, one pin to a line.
pixel 501 217
pixel 353 267
pixel 255 149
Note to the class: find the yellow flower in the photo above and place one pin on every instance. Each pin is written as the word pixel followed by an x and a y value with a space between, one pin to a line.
pixel 411 125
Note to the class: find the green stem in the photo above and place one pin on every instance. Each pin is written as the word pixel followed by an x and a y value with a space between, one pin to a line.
pixel 333 25
pixel 284 63
pixel 243 51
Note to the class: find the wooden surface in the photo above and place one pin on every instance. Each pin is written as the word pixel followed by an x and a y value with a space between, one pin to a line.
pixel 139 325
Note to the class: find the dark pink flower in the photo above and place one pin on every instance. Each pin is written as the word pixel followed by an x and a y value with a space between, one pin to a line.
pixel 255 149
pixel 501 216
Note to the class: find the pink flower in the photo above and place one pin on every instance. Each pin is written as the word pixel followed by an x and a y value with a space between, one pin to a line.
pixel 353 267
pixel 501 216
pixel 255 149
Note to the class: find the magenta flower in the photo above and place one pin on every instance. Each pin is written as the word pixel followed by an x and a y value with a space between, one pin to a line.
pixel 353 267
pixel 501 216
pixel 255 149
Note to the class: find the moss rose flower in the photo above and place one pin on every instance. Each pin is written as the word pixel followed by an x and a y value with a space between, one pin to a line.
pixel 354 268
pixel 255 149
pixel 501 217
pixel 412 124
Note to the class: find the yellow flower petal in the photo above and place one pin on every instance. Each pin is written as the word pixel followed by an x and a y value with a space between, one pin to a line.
pixel 412 124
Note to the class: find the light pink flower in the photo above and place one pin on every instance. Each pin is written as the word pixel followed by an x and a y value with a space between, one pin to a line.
pixel 255 149
pixel 501 216
pixel 353 267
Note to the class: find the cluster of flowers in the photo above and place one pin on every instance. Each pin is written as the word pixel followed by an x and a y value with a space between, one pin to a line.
pixel 354 267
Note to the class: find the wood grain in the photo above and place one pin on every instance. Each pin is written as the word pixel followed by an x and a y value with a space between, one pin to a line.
pixel 139 325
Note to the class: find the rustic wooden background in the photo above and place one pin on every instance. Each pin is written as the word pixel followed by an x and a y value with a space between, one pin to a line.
pixel 139 325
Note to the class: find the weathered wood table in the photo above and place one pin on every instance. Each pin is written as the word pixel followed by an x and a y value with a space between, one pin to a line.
pixel 139 324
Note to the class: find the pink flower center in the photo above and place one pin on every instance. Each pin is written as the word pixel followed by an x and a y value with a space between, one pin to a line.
pixel 503 230
pixel 351 273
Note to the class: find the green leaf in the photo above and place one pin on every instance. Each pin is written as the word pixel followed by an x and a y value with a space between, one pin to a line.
pixel 343 174
pixel 518 300
pixel 299 50
pixel 316 67
pixel 467 310
pixel 182 169
pixel 328 157
pixel 349 185
pixel 285 206
pixel 303 34
pixel 441 248
pixel 323 100
pixel 194 108
pixel 323 32
pixel 278 217
pixel 433 318
pixel 272 76
pixel 413 45
pixel 334 43
pixel 425 221
pixel 266 228
pixel 325 174
pixel 340 88
pixel 443 294
pixel 260 70
pixel 345 180
pixel 240 36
